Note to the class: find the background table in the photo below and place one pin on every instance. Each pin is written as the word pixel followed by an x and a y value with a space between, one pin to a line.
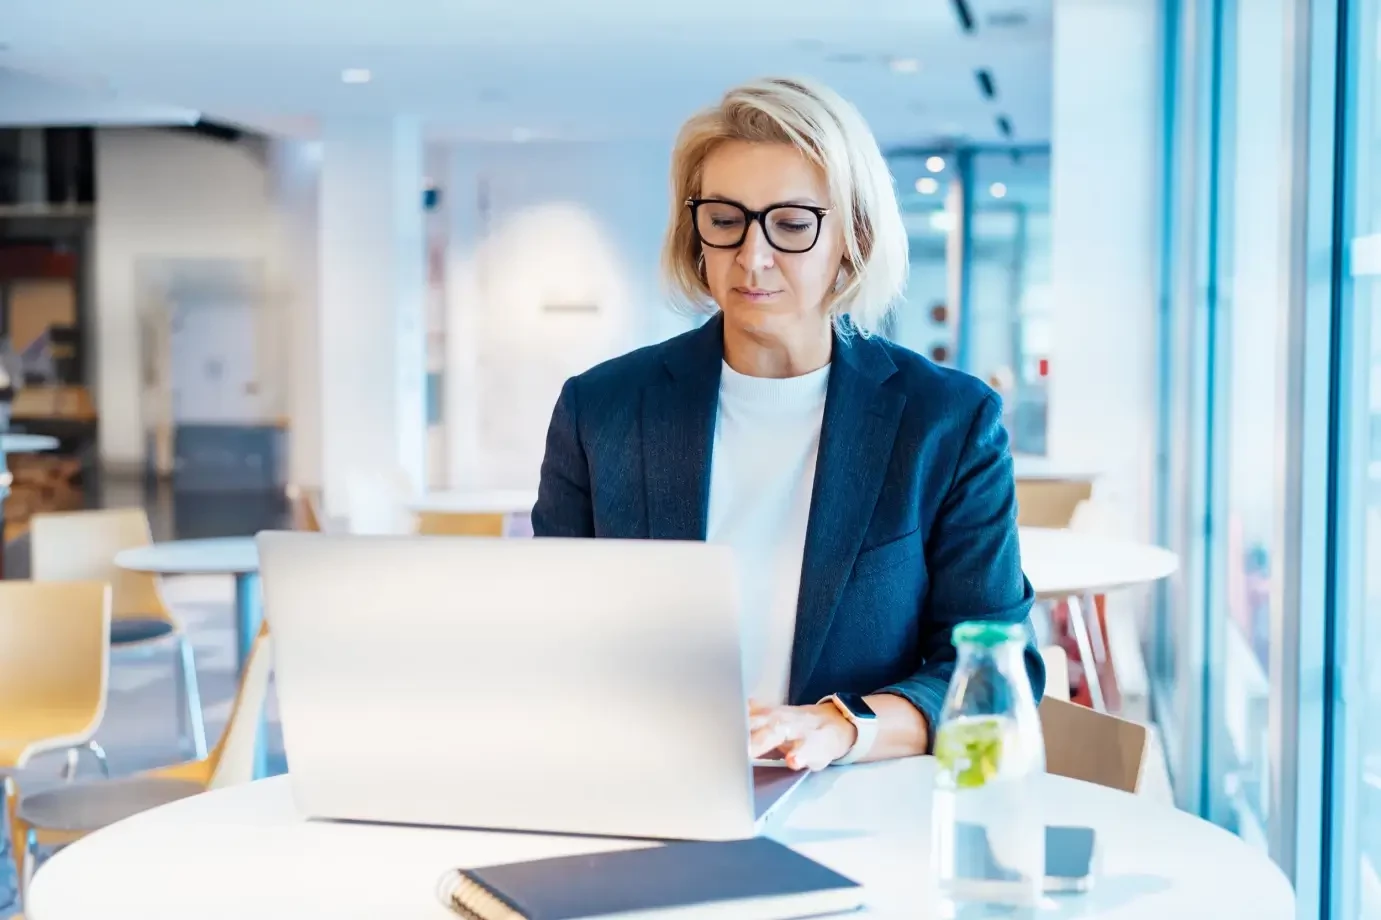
pixel 234 556
pixel 244 852
pixel 477 501
pixel 1042 469
pixel 1061 563
pixel 1073 566
pixel 26 443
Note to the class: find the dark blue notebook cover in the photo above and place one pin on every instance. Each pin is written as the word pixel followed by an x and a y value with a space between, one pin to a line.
pixel 663 877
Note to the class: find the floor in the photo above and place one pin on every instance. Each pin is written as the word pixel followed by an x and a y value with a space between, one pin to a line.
pixel 140 729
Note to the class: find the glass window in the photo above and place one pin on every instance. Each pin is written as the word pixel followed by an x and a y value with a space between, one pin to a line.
pixel 1009 286
pixel 1356 843
pixel 1251 276
pixel 928 190
pixel 978 296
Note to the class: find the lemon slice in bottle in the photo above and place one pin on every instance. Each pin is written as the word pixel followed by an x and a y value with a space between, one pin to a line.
pixel 970 749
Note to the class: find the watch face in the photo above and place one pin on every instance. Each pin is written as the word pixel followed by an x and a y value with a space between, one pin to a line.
pixel 855 703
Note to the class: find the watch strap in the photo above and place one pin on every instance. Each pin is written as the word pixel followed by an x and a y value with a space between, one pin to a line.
pixel 866 731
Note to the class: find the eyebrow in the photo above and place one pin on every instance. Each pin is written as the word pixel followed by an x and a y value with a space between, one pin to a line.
pixel 806 201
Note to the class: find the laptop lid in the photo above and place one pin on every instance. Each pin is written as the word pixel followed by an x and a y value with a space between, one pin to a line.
pixel 568 686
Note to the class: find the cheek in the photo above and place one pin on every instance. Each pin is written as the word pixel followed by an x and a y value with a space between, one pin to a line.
pixel 719 267
pixel 811 274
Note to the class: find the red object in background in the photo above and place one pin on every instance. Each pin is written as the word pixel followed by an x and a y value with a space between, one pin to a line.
pixel 1043 367
pixel 1063 636
pixel 25 261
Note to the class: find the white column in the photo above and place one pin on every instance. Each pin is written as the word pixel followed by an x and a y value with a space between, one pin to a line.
pixel 1105 183
pixel 373 294
pixel 294 167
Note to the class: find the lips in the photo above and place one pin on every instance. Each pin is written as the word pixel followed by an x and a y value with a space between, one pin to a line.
pixel 755 293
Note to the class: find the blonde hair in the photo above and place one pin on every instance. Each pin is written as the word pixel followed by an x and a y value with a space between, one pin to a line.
pixel 831 133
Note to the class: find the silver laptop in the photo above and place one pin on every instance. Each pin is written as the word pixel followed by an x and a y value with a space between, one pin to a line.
pixel 563 686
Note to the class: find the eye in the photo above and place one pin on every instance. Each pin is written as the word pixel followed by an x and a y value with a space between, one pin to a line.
pixel 793 226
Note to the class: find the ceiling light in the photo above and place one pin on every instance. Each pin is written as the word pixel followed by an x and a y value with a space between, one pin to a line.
pixel 905 65
pixel 927 186
pixel 356 75
pixel 935 164
pixel 997 190
pixel 942 221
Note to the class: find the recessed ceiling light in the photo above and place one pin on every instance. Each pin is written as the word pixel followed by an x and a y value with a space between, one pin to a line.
pixel 356 75
pixel 927 186
pixel 997 190
pixel 905 65
pixel 935 164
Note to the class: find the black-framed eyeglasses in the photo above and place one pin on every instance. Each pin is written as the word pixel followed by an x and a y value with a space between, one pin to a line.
pixel 787 227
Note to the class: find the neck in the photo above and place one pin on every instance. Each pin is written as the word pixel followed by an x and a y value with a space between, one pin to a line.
pixel 755 354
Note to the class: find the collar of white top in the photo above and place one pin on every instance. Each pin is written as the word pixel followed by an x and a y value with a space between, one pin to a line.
pixel 781 393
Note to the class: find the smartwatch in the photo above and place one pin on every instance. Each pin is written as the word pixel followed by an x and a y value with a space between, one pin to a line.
pixel 853 707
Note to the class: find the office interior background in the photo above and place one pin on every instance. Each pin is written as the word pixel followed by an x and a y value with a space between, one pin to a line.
pixel 257 248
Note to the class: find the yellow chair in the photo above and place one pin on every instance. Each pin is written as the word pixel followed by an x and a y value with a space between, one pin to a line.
pixel 460 524
pixel 54 668
pixel 80 546
pixel 1050 502
pixel 63 815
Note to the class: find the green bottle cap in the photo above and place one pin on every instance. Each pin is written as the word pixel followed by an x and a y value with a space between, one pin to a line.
pixel 988 634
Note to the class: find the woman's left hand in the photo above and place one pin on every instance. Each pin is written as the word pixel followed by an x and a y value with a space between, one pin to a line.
pixel 807 737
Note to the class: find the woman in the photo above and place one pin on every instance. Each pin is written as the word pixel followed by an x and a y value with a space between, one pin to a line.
pixel 867 493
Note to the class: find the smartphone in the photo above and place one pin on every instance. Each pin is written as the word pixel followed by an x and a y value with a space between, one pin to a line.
pixel 1069 853
pixel 1068 859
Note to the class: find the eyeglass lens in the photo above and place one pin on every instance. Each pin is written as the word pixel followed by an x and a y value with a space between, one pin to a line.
pixel 788 229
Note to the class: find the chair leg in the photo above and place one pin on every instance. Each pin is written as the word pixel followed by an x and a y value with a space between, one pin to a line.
pixel 1078 621
pixel 69 769
pixel 30 863
pixel 14 833
pixel 99 752
pixel 189 699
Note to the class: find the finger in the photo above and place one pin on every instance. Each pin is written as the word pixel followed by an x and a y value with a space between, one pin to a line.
pixel 808 753
pixel 767 738
pixel 762 719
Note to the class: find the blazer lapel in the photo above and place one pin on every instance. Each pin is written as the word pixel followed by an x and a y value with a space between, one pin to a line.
pixel 678 418
pixel 856 438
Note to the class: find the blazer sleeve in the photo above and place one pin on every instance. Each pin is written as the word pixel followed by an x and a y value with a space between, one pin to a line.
pixel 974 561
pixel 563 506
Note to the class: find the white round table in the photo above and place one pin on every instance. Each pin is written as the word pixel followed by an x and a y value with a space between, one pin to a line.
pixel 26 443
pixel 1033 468
pixel 234 556
pixel 244 852
pixel 476 501
pixel 237 557
pixel 1073 566
pixel 1064 563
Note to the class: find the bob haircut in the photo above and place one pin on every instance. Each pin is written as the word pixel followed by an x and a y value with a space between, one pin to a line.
pixel 831 133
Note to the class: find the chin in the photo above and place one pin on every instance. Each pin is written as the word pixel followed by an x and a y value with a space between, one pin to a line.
pixel 761 317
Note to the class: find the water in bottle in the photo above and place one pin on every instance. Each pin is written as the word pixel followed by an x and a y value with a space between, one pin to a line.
pixel 988 828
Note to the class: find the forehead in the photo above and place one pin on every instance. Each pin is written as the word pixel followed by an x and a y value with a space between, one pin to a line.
pixel 758 175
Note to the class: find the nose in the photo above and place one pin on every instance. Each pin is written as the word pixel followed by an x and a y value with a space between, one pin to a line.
pixel 756 253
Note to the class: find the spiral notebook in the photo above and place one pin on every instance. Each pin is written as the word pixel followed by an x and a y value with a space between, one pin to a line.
pixel 757 879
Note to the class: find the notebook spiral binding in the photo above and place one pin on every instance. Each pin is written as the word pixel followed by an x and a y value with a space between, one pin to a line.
pixel 471 900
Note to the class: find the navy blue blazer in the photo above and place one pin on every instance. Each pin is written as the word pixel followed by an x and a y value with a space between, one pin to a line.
pixel 913 518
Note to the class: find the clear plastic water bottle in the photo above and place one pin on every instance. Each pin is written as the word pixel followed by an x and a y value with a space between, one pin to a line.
pixel 988 827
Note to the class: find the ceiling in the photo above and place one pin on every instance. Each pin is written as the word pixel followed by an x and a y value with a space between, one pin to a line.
pixel 481 69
